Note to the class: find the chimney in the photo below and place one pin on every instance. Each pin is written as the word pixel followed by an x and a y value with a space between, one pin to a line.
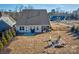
pixel 0 14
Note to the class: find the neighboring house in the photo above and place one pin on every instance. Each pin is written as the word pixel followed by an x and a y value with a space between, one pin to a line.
pixel 32 21
pixel 6 22
pixel 59 16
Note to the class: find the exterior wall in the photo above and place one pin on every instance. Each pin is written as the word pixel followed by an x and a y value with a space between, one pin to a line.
pixel 37 28
pixel 3 26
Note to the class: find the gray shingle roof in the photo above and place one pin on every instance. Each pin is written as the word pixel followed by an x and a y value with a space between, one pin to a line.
pixel 32 17
pixel 7 19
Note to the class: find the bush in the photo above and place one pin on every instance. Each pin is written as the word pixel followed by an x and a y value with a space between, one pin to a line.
pixel 7 36
pixel 13 32
pixel 4 41
pixel 72 29
pixel 10 33
pixel 1 45
pixel 76 30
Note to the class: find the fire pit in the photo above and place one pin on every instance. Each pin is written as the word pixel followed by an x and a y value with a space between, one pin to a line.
pixel 55 43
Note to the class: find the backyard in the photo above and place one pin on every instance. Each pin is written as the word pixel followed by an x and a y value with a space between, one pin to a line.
pixel 36 44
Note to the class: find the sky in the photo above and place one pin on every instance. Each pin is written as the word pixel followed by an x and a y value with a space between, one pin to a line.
pixel 61 7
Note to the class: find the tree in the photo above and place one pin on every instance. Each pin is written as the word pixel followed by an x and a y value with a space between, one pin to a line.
pixel 1 45
pixel 4 41
pixel 7 36
pixel 30 7
pixel 20 8
pixel 53 10
pixel 58 9
pixel 13 32
pixel 16 8
pixel 10 33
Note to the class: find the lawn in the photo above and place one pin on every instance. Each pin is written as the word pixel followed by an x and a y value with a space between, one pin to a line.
pixel 36 44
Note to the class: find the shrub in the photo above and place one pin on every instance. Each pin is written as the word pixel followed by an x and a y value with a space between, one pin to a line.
pixel 4 41
pixel 1 45
pixel 72 29
pixel 13 32
pixel 7 36
pixel 10 33
pixel 76 30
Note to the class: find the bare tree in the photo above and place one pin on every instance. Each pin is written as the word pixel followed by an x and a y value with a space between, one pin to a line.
pixel 58 9
pixel 16 8
pixel 30 7
pixel 20 8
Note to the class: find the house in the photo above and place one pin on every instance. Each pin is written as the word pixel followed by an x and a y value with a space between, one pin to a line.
pixel 59 16
pixel 6 22
pixel 32 21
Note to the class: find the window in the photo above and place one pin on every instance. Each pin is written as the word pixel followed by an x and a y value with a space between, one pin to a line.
pixel 26 28
pixel 37 28
pixel 21 28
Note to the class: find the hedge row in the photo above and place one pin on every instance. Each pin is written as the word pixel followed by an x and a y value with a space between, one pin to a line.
pixel 6 37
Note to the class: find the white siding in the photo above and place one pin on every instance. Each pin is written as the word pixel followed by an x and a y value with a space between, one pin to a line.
pixel 17 28
pixel 27 28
